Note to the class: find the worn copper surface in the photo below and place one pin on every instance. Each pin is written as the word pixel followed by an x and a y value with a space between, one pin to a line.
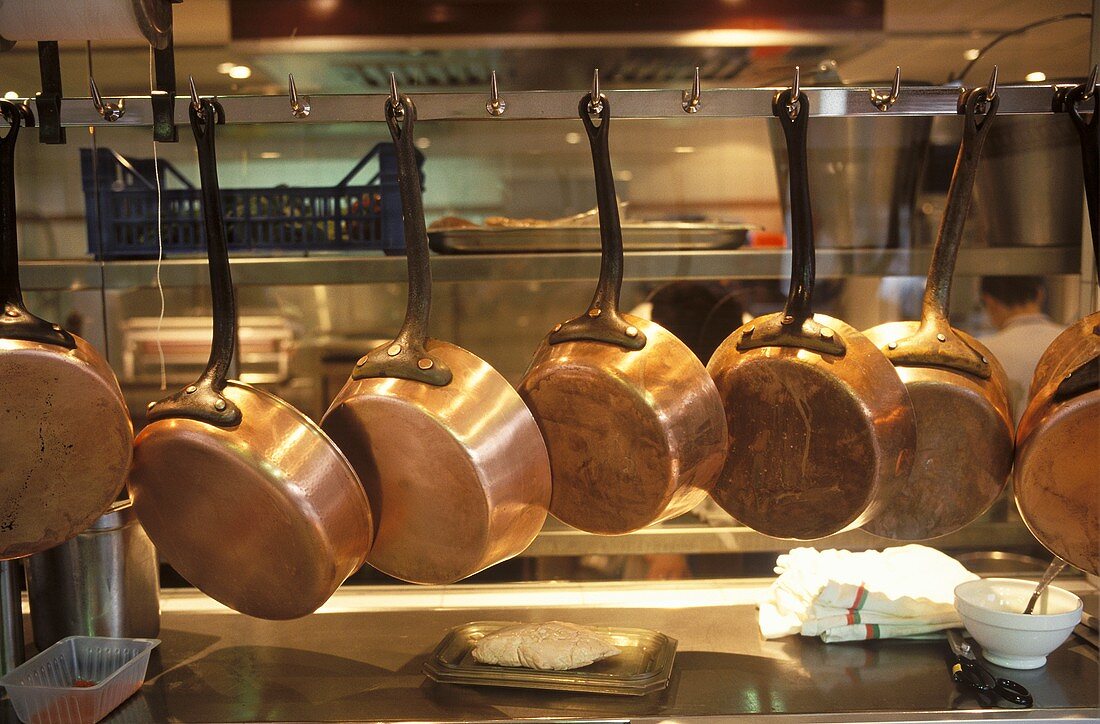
pixel 813 439
pixel 1057 475
pixel 964 445
pixel 634 437
pixel 457 475
pixel 266 517
pixel 1076 345
pixel 67 443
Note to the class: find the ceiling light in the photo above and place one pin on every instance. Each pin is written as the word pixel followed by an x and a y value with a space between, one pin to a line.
pixel 240 72
pixel 684 149
pixel 971 54
pixel 11 95
pixel 572 138
pixel 224 68
pixel 1035 76
pixel 270 154
pixel 423 142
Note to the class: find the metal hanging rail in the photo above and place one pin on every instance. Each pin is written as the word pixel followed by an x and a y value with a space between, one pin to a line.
pixel 848 101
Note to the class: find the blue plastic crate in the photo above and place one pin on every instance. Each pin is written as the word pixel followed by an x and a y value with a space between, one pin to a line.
pixel 122 218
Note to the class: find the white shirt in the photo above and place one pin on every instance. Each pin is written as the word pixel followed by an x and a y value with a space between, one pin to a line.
pixel 1018 347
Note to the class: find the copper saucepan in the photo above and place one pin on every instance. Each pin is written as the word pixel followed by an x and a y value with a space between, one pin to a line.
pixel 959 390
pixel 67 437
pixel 1057 472
pixel 633 424
pixel 820 424
pixel 451 458
pixel 243 494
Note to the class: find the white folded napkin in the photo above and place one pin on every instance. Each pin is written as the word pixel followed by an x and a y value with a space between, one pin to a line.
pixel 852 596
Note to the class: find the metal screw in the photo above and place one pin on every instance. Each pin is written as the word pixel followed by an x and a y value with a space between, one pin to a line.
pixel 893 345
pixel 826 333
pixel 394 350
pixel 424 363
pixel 941 337
pixel 219 405
pixel 631 331
pixel 191 390
pixel 557 327
pixel 595 312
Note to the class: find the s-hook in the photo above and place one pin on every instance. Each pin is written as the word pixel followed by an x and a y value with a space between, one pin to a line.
pixel 691 102
pixel 495 106
pixel 886 102
pixel 595 101
pixel 300 106
pixel 110 112
pixel 395 100
pixel 793 105
pixel 990 94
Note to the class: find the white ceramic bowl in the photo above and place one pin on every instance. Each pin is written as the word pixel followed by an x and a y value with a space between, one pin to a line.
pixel 992 611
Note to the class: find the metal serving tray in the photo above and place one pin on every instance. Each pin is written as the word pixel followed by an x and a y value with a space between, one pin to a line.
pixel 643 667
pixel 547 239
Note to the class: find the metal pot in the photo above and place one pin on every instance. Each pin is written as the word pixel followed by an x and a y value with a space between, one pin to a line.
pixel 103 582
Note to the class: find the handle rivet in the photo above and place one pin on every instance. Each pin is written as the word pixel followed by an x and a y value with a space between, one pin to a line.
pixel 362 361
pixel 893 345
pixel 826 333
pixel 788 319
pixel 424 363
pixel 394 350
pixel 595 312
pixel 985 361
pixel 631 331
pixel 557 327
pixel 150 406
pixel 191 390
pixel 219 405
pixel 750 330
pixel 56 327
pixel 941 337
pixel 12 313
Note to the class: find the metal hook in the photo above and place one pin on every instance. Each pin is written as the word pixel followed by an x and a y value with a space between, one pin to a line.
pixel 886 102
pixel 691 102
pixel 1090 84
pixel 495 106
pixel 991 92
pixel 300 106
pixel 395 99
pixel 595 101
pixel 795 104
pixel 195 102
pixel 109 111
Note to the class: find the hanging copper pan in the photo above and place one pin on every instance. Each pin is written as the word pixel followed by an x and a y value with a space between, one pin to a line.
pixel 820 424
pixel 243 494
pixel 633 424
pixel 67 437
pixel 959 390
pixel 451 458
pixel 1057 472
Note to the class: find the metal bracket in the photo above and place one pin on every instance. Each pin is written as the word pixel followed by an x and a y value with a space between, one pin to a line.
pixel 777 330
pixel 48 100
pixel 163 98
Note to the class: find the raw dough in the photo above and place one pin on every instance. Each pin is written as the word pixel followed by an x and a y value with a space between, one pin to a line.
pixel 554 645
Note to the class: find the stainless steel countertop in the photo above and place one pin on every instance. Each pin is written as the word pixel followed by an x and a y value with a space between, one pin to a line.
pixel 360 658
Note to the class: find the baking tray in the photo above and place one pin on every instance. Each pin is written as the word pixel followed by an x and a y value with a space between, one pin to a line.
pixel 643 667
pixel 679 236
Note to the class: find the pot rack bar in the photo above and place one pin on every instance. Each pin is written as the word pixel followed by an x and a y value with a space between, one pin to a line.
pixel 846 102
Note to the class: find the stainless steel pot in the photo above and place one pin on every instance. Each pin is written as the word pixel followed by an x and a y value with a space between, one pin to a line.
pixel 1029 189
pixel 103 582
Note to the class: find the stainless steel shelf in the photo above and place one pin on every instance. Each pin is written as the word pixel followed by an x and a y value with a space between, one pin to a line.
pixel 529 105
pixel 557 539
pixel 640 266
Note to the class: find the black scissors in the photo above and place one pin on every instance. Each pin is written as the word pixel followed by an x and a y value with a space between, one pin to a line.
pixel 966 671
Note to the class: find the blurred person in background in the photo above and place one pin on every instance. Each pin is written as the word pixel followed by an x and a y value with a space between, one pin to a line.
pixel 1014 306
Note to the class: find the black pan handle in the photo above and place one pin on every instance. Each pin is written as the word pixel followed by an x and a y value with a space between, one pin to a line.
pixel 603 322
pixel 1090 157
pixel 16 322
pixel 202 399
pixel 797 326
pixel 935 343
pixel 407 356
pixel 1086 378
